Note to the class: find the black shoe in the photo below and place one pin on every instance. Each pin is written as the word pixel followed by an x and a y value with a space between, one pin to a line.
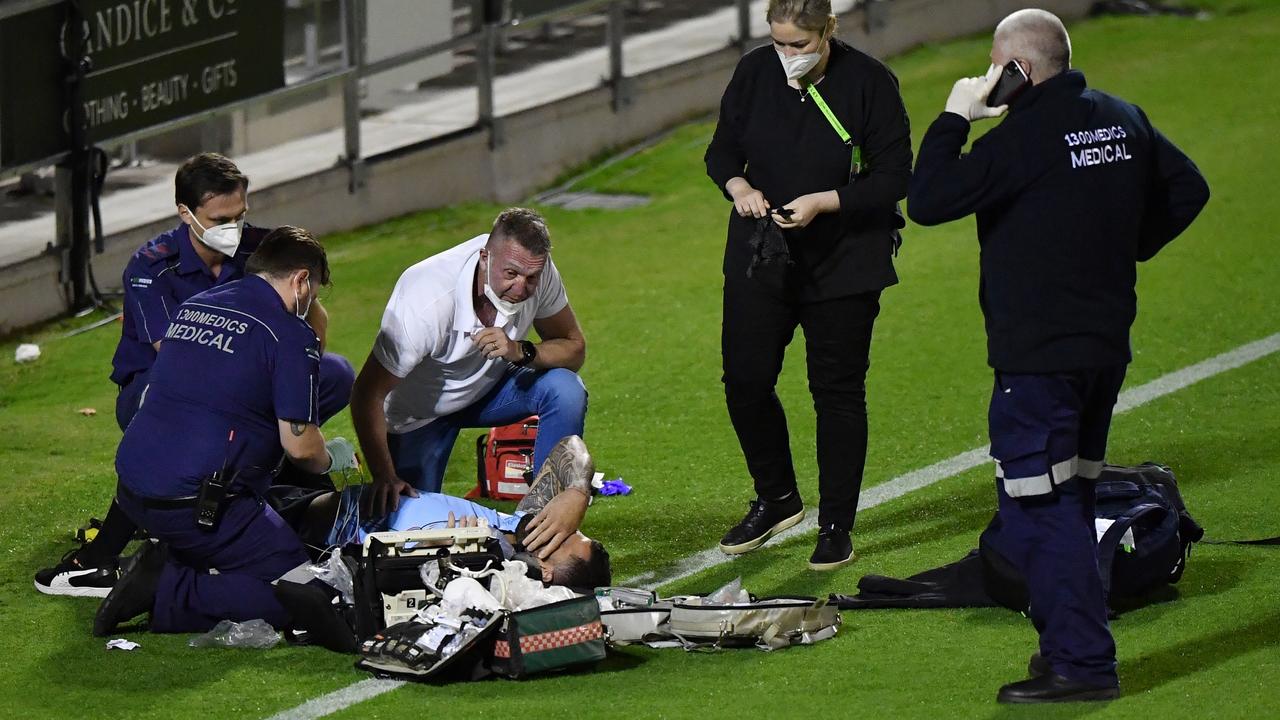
pixel 312 610
pixel 764 520
pixel 1052 687
pixel 69 577
pixel 1038 666
pixel 135 591
pixel 834 549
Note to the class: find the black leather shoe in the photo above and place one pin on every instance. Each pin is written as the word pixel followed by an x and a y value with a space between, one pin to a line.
pixel 1038 666
pixel 1052 687
pixel 764 520
pixel 135 592
pixel 312 610
pixel 834 549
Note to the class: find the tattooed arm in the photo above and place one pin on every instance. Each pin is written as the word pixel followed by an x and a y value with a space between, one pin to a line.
pixel 560 496
pixel 539 495
pixel 304 444
pixel 568 467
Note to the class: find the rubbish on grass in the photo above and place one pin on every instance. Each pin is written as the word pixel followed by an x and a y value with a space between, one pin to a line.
pixel 252 634
pixel 122 644
pixel 615 487
pixel 26 352
pixel 87 411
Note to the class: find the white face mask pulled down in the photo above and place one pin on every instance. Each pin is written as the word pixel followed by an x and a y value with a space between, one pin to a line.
pixel 506 307
pixel 223 238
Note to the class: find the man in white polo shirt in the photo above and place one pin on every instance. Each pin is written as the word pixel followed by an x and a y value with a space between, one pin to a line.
pixel 452 353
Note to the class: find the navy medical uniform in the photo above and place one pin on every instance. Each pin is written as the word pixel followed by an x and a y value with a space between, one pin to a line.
pixel 163 274
pixel 235 361
pixel 1070 191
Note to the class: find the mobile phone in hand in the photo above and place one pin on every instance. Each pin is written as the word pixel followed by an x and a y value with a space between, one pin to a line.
pixel 1013 81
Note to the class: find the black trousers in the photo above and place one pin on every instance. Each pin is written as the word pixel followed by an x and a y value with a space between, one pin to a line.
pixel 759 323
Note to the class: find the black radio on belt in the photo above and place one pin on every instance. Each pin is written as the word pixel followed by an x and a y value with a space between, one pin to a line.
pixel 213 490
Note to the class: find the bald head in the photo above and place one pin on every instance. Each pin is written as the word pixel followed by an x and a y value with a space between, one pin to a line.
pixel 1037 38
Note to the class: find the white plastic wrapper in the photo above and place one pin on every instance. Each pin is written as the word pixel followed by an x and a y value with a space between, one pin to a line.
pixel 466 593
pixel 333 572
pixel 26 352
pixel 731 594
pixel 257 634
pixel 518 592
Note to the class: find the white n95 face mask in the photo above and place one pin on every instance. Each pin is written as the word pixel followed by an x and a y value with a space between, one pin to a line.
pixel 224 238
pixel 797 66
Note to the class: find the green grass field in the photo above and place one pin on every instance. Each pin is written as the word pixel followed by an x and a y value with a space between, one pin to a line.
pixel 646 286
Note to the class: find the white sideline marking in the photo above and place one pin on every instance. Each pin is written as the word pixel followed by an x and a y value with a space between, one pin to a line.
pixel 926 476
pixel 882 493
pixel 330 703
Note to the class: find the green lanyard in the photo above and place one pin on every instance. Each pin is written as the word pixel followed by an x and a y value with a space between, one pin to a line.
pixel 855 164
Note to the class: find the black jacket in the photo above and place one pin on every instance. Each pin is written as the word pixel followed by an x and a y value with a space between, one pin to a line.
pixel 1070 190
pixel 782 144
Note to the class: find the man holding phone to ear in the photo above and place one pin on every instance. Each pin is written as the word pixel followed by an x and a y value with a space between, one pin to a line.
pixel 1071 190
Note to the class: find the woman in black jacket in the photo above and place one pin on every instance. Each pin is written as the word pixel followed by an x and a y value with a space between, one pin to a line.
pixel 811 243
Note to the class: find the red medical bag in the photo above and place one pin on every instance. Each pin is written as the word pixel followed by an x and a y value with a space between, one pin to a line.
pixel 504 461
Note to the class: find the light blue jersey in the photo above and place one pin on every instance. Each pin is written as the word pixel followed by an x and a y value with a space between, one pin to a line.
pixel 428 511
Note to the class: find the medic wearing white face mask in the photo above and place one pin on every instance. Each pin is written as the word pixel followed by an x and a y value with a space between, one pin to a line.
pixel 798 66
pixel 299 310
pixel 224 238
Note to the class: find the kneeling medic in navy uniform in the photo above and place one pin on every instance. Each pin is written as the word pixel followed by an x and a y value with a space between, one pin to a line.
pixel 235 387
pixel 207 249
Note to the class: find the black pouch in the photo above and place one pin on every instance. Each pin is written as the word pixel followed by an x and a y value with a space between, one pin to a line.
pixel 770 256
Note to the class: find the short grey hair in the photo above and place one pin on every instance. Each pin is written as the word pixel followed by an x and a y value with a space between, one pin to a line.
pixel 1038 36
pixel 525 227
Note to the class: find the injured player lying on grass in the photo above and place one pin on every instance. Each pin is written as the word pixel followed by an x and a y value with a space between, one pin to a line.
pixel 543 531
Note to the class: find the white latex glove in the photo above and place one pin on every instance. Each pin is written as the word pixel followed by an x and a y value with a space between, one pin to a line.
pixel 969 97
pixel 343 454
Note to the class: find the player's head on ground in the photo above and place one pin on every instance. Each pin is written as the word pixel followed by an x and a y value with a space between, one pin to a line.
pixel 579 562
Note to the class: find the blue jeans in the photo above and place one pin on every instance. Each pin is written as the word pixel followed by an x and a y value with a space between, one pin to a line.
pixel 556 396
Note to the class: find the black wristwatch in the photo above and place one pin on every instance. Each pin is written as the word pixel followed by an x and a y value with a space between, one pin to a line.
pixel 528 351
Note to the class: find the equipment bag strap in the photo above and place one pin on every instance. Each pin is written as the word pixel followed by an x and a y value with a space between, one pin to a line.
pixel 855 163
pixel 1261 541
pixel 1110 539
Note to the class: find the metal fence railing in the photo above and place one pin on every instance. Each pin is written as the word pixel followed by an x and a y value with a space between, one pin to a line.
pixel 491 19
pixel 494 18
